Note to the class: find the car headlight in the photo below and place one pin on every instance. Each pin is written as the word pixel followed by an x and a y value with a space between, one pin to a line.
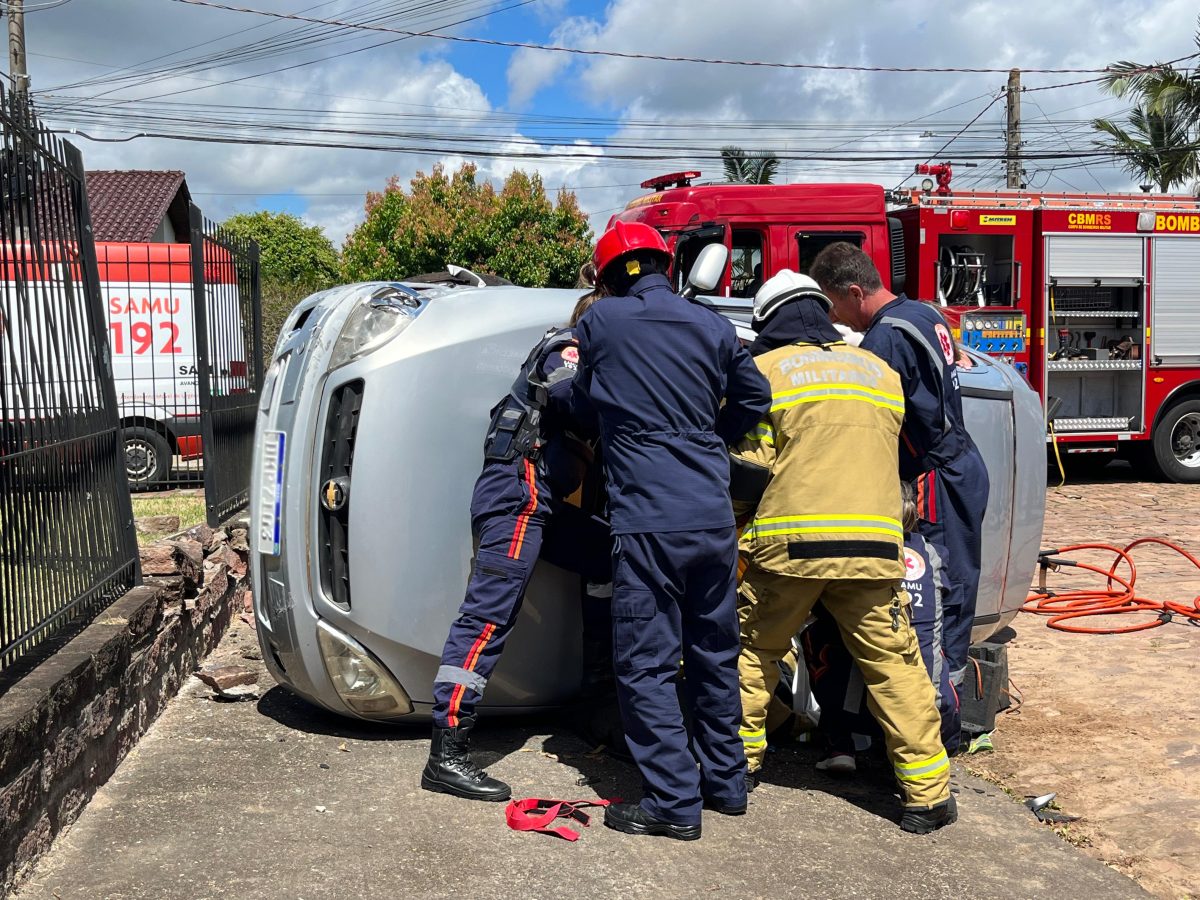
pixel 373 322
pixel 362 681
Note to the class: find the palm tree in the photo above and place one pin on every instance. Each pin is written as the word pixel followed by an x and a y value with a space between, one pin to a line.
pixel 1161 88
pixel 1157 146
pixel 741 167
pixel 1159 140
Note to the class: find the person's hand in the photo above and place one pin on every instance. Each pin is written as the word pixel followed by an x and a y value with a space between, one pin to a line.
pixel 964 361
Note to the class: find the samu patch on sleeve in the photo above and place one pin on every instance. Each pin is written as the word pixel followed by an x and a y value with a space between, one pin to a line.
pixel 570 355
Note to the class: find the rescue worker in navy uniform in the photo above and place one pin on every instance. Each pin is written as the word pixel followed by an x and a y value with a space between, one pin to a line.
pixel 846 723
pixel 826 528
pixel 936 452
pixel 655 368
pixel 533 457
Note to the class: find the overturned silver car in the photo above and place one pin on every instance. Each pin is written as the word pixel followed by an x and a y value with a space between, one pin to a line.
pixel 368 444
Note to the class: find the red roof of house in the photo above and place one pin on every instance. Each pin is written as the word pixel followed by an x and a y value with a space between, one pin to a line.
pixel 130 205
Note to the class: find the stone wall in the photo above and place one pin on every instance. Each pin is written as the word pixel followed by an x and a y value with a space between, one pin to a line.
pixel 66 725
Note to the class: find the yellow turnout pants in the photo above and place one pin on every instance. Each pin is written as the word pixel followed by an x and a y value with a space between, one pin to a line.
pixel 900 694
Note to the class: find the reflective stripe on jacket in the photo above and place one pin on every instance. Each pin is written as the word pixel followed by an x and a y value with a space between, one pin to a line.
pixel 831 440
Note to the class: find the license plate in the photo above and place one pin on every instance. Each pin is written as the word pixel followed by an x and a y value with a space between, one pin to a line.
pixel 271 502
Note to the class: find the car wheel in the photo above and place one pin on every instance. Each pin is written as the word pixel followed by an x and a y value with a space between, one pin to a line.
pixel 147 457
pixel 1177 443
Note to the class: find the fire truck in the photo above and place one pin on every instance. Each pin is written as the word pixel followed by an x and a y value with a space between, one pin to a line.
pixel 1094 298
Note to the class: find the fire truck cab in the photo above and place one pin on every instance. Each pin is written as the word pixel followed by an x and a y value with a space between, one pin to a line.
pixel 1092 297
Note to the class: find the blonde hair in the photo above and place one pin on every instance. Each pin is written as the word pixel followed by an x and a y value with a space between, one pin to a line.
pixel 587 275
pixel 583 305
pixel 908 505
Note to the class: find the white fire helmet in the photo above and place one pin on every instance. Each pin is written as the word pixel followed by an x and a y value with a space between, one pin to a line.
pixel 781 287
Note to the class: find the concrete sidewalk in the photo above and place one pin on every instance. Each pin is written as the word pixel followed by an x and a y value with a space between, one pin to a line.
pixel 273 798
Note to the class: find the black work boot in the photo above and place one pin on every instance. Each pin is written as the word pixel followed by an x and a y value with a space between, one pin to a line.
pixel 450 770
pixel 923 821
pixel 632 819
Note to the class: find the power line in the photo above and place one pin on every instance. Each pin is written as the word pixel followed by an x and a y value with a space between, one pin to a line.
pixel 524 45
pixel 231 55
pixel 957 135
pixel 1067 144
pixel 38 7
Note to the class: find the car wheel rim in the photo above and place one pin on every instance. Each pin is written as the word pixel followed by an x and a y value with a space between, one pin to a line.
pixel 140 460
pixel 1185 440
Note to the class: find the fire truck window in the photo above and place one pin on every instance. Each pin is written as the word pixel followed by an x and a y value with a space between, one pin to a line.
pixel 813 242
pixel 747 260
pixel 688 248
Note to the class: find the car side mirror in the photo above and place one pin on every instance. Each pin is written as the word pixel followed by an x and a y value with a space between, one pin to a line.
pixel 707 270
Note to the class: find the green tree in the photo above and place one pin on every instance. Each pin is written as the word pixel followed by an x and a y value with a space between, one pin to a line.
pixel 1154 146
pixel 294 261
pixel 516 233
pixel 1159 139
pixel 290 251
pixel 742 167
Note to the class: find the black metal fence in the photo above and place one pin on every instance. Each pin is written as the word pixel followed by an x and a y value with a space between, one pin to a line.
pixel 228 334
pixel 67 544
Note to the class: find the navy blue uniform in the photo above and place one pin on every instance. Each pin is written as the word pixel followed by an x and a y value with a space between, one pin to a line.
pixel 836 681
pixel 938 455
pixel 513 503
pixel 655 367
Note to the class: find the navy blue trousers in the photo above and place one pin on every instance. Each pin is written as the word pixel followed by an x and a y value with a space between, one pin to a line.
pixel 951 503
pixel 835 678
pixel 673 599
pixel 514 521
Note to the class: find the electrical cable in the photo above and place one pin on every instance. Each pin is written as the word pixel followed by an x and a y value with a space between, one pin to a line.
pixel 523 45
pixel 37 7
pixel 1113 599
pixel 954 137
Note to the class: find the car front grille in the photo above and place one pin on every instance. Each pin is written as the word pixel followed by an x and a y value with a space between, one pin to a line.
pixel 337 460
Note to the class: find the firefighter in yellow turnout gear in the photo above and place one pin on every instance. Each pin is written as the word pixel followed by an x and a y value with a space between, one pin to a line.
pixel 827 528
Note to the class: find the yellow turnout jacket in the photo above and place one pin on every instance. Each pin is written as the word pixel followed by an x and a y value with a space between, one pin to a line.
pixel 831 440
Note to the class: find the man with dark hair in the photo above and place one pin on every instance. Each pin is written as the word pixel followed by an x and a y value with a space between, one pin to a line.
pixel 655 368
pixel 936 452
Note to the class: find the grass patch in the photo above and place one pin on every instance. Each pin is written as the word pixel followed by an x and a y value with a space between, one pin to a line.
pixel 188 505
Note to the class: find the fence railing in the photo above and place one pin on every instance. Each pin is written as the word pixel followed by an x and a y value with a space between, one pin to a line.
pixel 149 296
pixel 228 332
pixel 67 543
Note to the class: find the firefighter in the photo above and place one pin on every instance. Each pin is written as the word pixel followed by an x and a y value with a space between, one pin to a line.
pixel 655 368
pixel 533 457
pixel 936 453
pixel 826 528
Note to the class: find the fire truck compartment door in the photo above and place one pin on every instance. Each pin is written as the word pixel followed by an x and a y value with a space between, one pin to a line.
pixel 1094 256
pixel 1175 316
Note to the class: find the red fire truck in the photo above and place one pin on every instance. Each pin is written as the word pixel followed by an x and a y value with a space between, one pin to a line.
pixel 1095 298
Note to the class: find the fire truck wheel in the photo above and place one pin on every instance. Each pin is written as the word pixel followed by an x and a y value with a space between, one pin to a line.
pixel 1177 442
pixel 147 457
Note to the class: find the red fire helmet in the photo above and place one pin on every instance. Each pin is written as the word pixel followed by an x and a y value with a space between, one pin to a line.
pixel 624 237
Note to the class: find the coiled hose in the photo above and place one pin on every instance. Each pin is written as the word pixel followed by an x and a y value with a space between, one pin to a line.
pixel 1119 595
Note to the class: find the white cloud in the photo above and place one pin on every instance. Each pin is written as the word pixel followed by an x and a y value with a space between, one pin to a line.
pixel 668 104
pixel 531 70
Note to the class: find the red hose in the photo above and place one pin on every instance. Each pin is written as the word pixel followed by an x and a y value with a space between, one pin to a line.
pixel 1118 595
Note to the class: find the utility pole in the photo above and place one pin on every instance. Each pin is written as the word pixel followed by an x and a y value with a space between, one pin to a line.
pixel 1013 144
pixel 17 158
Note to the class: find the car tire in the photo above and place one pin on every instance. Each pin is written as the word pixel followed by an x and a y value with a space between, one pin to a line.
pixel 1177 443
pixel 147 457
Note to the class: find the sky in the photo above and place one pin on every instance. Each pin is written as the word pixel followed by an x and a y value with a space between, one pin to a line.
pixel 397 104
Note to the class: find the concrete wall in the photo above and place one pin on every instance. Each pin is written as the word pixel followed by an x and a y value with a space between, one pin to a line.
pixel 66 725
